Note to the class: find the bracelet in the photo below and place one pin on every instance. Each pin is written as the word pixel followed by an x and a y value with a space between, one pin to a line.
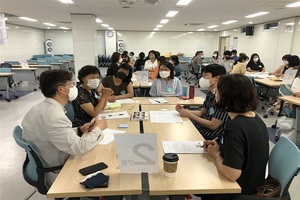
pixel 215 157
pixel 79 132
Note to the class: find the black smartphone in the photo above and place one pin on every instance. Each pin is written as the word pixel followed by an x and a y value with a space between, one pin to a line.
pixel 93 168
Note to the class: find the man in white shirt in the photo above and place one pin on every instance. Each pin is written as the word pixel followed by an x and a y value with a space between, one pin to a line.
pixel 49 131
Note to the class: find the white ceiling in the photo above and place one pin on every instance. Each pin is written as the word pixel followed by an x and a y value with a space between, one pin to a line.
pixel 141 16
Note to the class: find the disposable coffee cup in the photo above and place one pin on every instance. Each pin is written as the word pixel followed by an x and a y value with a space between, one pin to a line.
pixel 170 164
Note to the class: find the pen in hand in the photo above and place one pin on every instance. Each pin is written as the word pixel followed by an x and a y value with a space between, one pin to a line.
pixel 207 145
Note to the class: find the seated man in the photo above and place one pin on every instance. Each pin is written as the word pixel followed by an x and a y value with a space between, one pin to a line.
pixel 210 121
pixel 49 131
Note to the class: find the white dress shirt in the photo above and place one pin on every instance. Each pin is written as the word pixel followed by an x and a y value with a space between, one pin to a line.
pixel 49 131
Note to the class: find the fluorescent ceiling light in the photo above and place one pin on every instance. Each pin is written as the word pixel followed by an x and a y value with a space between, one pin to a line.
pixel 28 19
pixel 290 24
pixel 250 23
pixel 49 24
pixel 164 21
pixel 190 32
pixel 256 14
pixel 65 28
pixel 105 25
pixel 98 20
pixel 230 22
pixel 153 32
pixel 156 29
pixel 66 1
pixel 159 26
pixel 183 2
pixel 201 29
pixel 213 26
pixel 293 5
pixel 110 28
pixel 171 13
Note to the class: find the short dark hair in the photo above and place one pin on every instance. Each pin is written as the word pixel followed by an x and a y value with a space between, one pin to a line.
pixel 154 52
pixel 125 66
pixel 175 59
pixel 214 69
pixel 115 57
pixel 293 61
pixel 227 53
pixel 234 51
pixel 286 56
pixel 169 66
pixel 161 59
pixel 86 70
pixel 243 57
pixel 237 94
pixel 51 79
pixel 142 55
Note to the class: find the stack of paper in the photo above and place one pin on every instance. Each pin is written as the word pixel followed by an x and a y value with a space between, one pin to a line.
pixel 109 135
pixel 165 117
pixel 183 146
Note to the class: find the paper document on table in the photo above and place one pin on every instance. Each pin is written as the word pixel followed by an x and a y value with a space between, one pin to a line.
pixel 123 101
pixel 24 64
pixel 158 100
pixel 165 117
pixel 109 135
pixel 114 115
pixel 289 76
pixel 183 146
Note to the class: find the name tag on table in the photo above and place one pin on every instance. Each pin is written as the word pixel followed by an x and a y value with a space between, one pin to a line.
pixel 142 76
pixel 137 153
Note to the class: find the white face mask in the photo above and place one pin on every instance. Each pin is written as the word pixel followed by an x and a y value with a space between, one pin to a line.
pixel 255 59
pixel 93 83
pixel 215 55
pixel 73 93
pixel 285 62
pixel 120 60
pixel 164 74
pixel 204 83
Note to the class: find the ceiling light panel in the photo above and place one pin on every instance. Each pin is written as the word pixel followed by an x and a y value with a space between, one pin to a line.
pixel 293 5
pixel 28 19
pixel 183 2
pixel 171 13
pixel 99 20
pixel 67 1
pixel 164 21
pixel 230 22
pixel 256 14
pixel 213 26
pixel 49 24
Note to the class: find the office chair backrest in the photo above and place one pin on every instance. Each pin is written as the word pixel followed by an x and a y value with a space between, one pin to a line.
pixel 284 163
pixel 70 111
pixel 285 89
pixel 33 166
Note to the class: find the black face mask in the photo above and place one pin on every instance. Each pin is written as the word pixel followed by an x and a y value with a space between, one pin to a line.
pixel 227 57
pixel 121 75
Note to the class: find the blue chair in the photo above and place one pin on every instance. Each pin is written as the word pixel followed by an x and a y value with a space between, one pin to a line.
pixel 284 165
pixel 70 111
pixel 284 89
pixel 33 166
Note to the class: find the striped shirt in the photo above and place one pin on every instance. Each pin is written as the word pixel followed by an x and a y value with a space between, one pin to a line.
pixel 212 112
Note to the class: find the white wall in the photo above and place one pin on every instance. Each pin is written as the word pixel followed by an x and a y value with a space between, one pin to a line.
pixel 295 49
pixel 170 42
pixel 62 41
pixel 23 42
pixel 270 44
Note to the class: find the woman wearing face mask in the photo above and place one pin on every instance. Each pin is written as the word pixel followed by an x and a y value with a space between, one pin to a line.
pixel 120 83
pixel 243 152
pixel 116 60
pixel 166 84
pixel 88 104
pixel 209 120
pixel 255 64
pixel 279 71
pixel 240 67
pixel 215 58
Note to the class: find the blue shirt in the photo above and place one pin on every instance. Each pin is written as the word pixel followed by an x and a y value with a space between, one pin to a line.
pixel 162 88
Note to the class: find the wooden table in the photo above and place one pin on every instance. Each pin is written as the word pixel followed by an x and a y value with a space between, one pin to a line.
pixel 67 182
pixel 296 106
pixel 4 83
pixel 268 82
pixel 196 173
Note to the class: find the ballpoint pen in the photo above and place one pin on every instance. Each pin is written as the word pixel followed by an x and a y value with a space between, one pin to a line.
pixel 157 101
pixel 212 140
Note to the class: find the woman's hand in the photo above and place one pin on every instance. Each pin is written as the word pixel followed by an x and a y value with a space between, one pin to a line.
pixel 112 99
pixel 178 107
pixel 211 147
pixel 106 92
